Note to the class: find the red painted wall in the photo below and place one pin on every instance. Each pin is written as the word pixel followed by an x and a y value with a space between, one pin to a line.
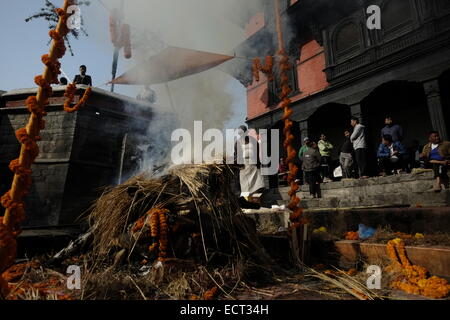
pixel 257 97
pixel 310 68
pixel 256 23
pixel 310 76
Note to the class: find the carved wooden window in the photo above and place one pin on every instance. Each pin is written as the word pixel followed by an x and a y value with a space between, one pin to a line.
pixel 444 6
pixel 275 87
pixel 396 15
pixel 347 40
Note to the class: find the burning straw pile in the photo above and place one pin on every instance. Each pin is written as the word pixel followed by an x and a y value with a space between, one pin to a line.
pixel 179 235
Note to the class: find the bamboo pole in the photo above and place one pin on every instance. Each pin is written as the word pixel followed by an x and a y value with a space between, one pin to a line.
pixel 13 199
pixel 278 25
pixel 33 125
pixel 293 205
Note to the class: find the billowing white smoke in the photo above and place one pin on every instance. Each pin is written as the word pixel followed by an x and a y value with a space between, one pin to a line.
pixel 207 25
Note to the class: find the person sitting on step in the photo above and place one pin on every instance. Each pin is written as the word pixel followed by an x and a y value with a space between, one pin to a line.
pixel 437 156
pixel 391 156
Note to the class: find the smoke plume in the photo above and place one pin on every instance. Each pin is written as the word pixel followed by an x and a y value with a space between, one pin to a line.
pixel 215 26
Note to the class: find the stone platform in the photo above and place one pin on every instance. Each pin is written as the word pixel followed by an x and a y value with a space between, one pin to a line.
pixel 80 152
pixel 404 202
pixel 402 190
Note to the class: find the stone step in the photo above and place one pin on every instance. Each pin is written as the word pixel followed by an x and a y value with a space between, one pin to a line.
pixel 416 182
pixel 412 199
pixel 394 191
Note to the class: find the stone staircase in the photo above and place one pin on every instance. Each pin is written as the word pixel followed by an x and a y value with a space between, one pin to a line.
pixel 402 190
pixel 404 203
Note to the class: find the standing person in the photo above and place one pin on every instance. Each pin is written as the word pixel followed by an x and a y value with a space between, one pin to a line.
pixel 358 138
pixel 83 78
pixel 391 156
pixel 346 156
pixel 250 177
pixel 437 155
pixel 394 130
pixel 301 153
pixel 311 167
pixel 325 148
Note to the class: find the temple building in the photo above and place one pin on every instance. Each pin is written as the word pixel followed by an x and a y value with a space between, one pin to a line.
pixel 341 68
pixel 80 153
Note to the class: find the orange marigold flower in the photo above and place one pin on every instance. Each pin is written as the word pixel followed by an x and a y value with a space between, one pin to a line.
pixel 210 294
pixel 352 235
pixel 415 278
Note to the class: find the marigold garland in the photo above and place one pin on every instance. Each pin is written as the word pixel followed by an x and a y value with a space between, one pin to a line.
pixel 54 287
pixel 159 230
pixel 17 271
pixel 163 235
pixel 267 69
pixel 12 201
pixel 70 96
pixel 126 41
pixel 414 279
pixel 210 294
pixel 285 66
pixel 293 205
pixel 352 235
pixel 8 249
pixel 114 28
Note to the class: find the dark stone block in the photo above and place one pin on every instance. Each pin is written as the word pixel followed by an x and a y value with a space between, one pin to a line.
pixel 79 152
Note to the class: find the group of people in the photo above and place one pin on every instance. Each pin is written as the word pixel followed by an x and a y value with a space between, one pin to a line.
pixel 354 156
pixel 81 78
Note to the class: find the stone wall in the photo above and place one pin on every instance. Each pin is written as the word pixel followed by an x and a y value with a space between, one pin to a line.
pixel 80 153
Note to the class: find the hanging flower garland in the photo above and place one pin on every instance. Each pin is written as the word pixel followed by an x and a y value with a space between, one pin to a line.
pixel 70 95
pixel 126 41
pixel 414 279
pixel 120 34
pixel 267 69
pixel 285 67
pixel 293 205
pixel 159 230
pixel 163 234
pixel 114 28
pixel 12 201
pixel 8 249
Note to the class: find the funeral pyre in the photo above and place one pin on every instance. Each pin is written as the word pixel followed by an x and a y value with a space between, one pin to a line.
pixel 177 235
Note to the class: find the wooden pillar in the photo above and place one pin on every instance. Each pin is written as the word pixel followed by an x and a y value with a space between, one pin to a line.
pixel 304 132
pixel 356 111
pixel 434 101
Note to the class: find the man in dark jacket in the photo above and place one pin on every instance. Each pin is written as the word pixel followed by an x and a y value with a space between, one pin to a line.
pixel 311 167
pixel 437 155
pixel 83 78
pixel 394 130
